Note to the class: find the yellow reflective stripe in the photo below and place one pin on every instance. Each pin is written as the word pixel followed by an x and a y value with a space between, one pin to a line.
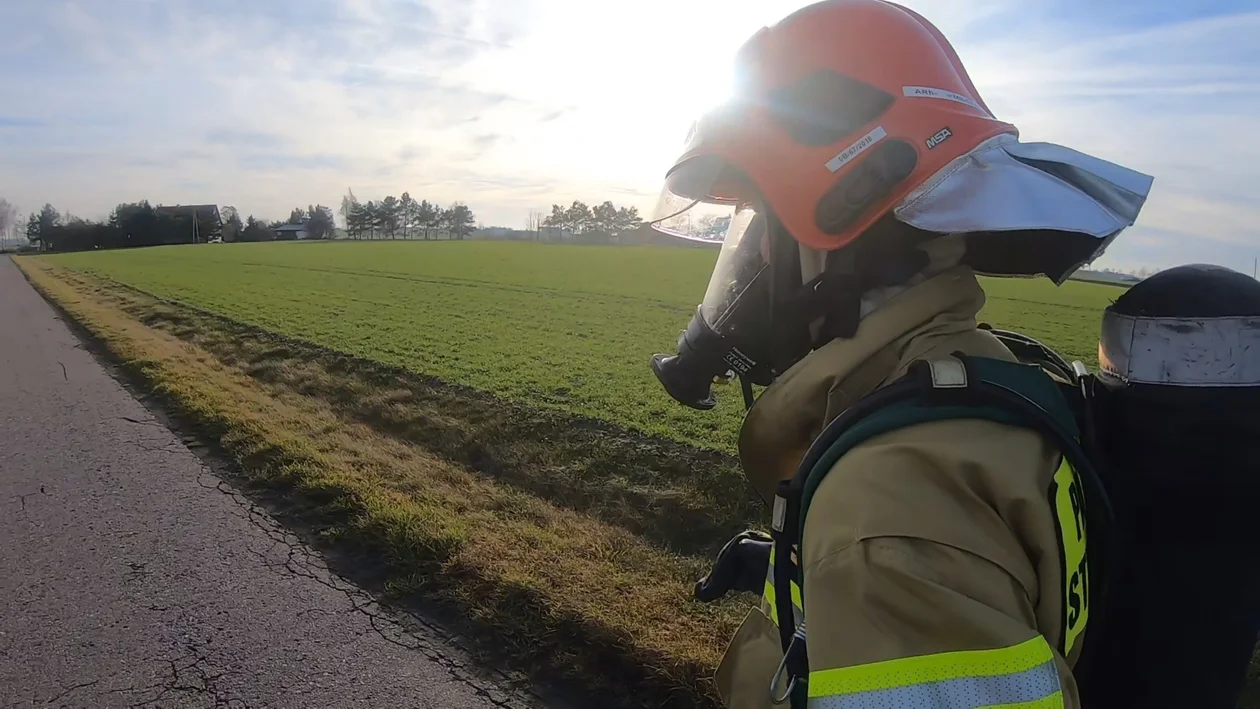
pixel 770 596
pixel 1038 687
pixel 911 671
pixel 1068 498
pixel 1069 507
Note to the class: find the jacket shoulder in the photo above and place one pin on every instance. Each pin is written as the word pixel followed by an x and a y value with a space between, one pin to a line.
pixel 973 484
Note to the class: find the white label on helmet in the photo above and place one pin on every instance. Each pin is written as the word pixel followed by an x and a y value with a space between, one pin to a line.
pixel 877 134
pixel 926 92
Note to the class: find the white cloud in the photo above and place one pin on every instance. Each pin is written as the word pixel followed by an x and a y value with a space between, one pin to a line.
pixel 513 104
pixel 1174 101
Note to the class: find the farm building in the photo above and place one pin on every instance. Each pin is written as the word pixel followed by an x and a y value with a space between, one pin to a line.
pixel 292 231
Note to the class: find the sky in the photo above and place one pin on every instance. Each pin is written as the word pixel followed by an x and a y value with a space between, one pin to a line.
pixel 512 105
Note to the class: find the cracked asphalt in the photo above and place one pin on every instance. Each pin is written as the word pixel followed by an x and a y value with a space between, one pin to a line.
pixel 132 576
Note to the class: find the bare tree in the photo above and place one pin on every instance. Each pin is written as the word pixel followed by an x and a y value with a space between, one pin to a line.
pixel 534 221
pixel 348 205
pixel 8 219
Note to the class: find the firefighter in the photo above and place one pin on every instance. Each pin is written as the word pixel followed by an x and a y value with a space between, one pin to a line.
pixel 861 183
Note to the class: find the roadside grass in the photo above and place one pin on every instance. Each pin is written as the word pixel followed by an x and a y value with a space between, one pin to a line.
pixel 565 328
pixel 563 591
pixel 683 498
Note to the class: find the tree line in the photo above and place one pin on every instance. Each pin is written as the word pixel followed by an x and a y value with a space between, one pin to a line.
pixel 578 218
pixel 129 224
pixel 317 219
pixel 142 224
pixel 392 217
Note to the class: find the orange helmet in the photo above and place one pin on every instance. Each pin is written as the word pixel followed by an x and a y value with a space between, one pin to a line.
pixel 855 117
pixel 841 110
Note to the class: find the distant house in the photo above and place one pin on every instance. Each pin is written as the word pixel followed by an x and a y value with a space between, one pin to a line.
pixel 286 232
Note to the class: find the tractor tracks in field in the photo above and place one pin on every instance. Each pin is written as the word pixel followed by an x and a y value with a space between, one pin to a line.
pixel 566 294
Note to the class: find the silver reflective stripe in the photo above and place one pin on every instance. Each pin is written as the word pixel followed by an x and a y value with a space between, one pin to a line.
pixel 1192 352
pixel 1014 188
pixel 1039 682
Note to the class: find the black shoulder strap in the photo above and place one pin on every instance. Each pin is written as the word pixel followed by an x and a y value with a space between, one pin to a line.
pixel 960 387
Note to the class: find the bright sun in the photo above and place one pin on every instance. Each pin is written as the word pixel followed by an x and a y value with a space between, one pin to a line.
pixel 628 85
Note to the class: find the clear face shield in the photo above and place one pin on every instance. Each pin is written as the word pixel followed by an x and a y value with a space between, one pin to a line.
pixel 732 333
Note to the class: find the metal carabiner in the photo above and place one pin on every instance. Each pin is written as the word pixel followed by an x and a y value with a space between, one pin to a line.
pixel 797 645
pixel 779 700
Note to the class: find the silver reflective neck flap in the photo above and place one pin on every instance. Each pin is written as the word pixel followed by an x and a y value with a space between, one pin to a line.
pixel 1190 352
pixel 1012 187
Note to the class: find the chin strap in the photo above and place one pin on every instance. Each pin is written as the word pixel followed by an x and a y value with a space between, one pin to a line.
pixel 835 296
pixel 837 300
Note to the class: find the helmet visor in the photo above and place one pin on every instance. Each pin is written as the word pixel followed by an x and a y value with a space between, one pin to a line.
pixel 741 267
pixel 703 200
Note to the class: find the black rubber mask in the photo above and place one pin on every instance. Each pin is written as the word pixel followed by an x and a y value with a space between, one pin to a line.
pixel 745 326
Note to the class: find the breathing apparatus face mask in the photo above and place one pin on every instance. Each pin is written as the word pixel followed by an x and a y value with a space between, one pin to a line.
pixel 755 319
pixel 770 300
pixel 732 332
pixel 742 328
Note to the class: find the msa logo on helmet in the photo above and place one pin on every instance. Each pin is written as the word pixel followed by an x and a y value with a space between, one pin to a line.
pixel 941 136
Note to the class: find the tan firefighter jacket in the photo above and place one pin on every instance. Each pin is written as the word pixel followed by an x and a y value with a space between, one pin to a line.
pixel 934 576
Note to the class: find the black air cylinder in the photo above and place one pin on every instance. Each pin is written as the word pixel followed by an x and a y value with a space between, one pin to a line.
pixel 1178 420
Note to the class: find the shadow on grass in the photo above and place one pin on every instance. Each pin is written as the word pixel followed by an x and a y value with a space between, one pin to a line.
pixel 686 499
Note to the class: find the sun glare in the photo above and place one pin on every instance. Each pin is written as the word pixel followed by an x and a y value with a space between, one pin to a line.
pixel 626 88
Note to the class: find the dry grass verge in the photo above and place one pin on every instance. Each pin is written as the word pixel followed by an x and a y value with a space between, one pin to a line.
pixel 683 498
pixel 563 591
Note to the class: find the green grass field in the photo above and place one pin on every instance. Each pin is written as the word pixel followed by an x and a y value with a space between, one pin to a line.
pixel 573 545
pixel 567 327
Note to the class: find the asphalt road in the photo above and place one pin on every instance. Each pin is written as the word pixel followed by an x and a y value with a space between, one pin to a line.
pixel 132 576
